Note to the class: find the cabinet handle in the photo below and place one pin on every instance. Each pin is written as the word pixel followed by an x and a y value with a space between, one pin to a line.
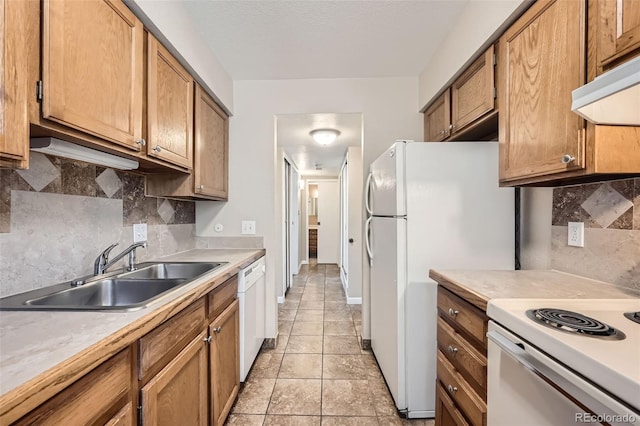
pixel 141 142
pixel 207 339
pixel 217 329
pixel 452 349
pixel 453 312
pixel 452 389
pixel 567 158
pixel 157 148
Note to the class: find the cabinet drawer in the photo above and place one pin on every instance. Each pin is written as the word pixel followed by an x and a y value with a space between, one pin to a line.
pixel 447 414
pixel 474 408
pixel 169 338
pixel 470 319
pixel 222 296
pixel 90 398
pixel 471 363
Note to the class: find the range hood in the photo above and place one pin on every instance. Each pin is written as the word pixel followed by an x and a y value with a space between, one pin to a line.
pixel 612 98
pixel 60 148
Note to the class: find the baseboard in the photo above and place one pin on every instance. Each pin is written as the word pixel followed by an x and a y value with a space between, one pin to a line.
pixel 280 299
pixel 354 300
pixel 304 262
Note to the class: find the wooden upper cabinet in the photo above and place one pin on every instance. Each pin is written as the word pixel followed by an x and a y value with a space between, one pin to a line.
pixel 542 60
pixel 14 124
pixel 211 147
pixel 92 58
pixel 177 395
pixel 225 363
pixel 472 94
pixel 618 31
pixel 437 118
pixel 169 107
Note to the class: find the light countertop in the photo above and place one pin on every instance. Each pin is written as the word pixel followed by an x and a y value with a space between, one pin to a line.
pixel 478 287
pixel 42 352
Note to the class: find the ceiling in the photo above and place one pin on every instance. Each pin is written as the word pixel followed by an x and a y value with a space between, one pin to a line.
pixel 292 132
pixel 302 39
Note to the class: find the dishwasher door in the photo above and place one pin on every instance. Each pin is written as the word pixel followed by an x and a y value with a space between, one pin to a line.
pixel 251 296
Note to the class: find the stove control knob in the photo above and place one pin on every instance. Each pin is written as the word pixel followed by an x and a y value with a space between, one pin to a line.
pixel 453 312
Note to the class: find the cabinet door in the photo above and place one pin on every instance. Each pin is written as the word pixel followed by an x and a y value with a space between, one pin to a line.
pixel 14 125
pixel 437 118
pixel 211 156
pixel 177 395
pixel 472 94
pixel 225 363
pixel 618 29
pixel 169 107
pixel 124 417
pixel 90 399
pixel 92 68
pixel 542 61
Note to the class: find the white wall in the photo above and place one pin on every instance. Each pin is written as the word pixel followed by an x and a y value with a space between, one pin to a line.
pixel 171 23
pixel 390 111
pixel 479 22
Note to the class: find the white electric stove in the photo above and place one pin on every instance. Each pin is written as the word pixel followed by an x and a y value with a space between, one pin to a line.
pixel 546 373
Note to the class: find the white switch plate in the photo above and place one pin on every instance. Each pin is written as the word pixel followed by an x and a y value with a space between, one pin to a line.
pixel 248 227
pixel 139 232
pixel 576 234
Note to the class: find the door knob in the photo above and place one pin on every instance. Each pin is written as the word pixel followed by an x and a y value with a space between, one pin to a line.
pixel 351 240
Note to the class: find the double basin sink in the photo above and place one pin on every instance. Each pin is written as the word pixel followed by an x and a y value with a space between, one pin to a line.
pixel 116 291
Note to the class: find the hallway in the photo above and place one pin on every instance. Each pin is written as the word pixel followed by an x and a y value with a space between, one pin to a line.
pixel 318 375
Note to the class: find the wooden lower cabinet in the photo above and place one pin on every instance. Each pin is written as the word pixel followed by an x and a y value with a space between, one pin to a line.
pixel 98 397
pixel 178 394
pixel 461 394
pixel 224 358
pixel 123 417
pixel 313 242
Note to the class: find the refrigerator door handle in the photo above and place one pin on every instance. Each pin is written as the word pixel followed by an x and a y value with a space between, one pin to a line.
pixel 367 188
pixel 367 228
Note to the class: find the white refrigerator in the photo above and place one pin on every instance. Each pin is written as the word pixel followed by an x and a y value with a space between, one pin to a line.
pixel 430 205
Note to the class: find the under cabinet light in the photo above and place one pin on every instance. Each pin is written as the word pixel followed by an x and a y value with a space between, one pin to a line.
pixel 60 148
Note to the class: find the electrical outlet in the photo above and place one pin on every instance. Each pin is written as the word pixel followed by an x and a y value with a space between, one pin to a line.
pixel 248 227
pixel 139 232
pixel 576 234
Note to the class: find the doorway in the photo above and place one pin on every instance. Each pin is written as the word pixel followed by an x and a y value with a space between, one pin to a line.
pixel 291 222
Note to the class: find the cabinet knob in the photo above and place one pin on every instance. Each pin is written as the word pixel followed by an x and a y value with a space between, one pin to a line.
pixel 566 159
pixel 451 127
pixel 453 312
pixel 443 131
pixel 217 329
pixel 207 339
pixel 452 349
pixel 157 148
pixel 452 389
pixel 201 187
pixel 141 142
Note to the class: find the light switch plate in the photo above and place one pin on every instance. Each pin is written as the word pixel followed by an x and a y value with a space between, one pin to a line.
pixel 139 232
pixel 575 234
pixel 248 227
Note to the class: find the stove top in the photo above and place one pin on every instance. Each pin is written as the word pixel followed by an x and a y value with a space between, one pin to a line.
pixel 611 363
pixel 633 316
pixel 574 322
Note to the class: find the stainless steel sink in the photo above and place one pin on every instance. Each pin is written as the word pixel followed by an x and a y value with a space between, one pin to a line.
pixel 115 291
pixel 170 270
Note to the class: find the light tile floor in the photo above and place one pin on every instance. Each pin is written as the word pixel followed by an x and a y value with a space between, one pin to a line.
pixel 318 375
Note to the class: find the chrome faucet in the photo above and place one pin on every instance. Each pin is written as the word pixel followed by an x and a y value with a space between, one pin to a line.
pixel 102 262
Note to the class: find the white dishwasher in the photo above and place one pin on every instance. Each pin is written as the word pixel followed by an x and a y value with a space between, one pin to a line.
pixel 251 295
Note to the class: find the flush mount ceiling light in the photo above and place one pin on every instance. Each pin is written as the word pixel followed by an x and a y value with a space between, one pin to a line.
pixel 324 136
pixel 59 148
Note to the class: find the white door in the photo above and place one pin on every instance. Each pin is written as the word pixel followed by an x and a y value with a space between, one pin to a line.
pixel 328 221
pixel 386 191
pixel 388 279
pixel 294 217
pixel 344 224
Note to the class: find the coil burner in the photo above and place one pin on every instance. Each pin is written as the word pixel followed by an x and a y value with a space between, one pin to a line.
pixel 633 316
pixel 574 323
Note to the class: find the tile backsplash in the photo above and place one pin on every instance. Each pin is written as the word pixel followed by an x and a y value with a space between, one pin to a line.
pixel 611 215
pixel 59 214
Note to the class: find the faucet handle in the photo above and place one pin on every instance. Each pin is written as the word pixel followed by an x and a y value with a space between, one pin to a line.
pixel 105 253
